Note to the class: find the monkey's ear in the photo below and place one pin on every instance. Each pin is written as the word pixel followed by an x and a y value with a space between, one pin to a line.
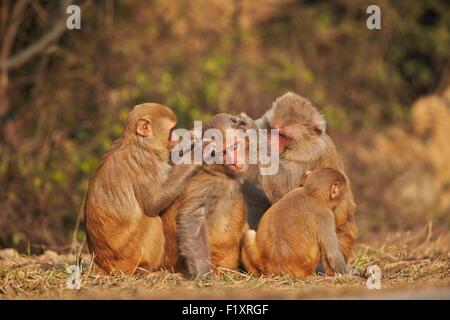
pixel 144 128
pixel 305 175
pixel 335 190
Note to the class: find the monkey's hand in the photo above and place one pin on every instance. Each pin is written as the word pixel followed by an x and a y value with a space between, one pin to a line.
pixel 198 146
pixel 243 121
pixel 196 143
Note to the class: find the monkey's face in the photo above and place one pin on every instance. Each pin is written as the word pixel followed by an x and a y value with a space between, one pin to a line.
pixel 235 154
pixel 233 151
pixel 300 126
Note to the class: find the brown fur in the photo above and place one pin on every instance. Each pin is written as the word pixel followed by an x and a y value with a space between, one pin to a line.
pixel 298 231
pixel 171 260
pixel 131 186
pixel 204 227
pixel 224 220
pixel 309 148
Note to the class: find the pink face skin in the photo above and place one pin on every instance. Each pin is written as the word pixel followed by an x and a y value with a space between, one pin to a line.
pixel 231 155
pixel 283 138
pixel 173 139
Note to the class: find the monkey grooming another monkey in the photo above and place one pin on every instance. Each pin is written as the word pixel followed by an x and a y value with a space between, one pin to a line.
pixel 304 145
pixel 299 230
pixel 132 185
pixel 204 227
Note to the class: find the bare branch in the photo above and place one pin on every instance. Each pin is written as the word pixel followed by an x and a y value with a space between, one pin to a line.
pixel 40 11
pixel 11 31
pixel 40 45
pixel 4 10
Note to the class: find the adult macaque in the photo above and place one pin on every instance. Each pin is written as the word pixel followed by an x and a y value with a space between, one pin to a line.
pixel 204 227
pixel 304 145
pixel 133 184
pixel 299 230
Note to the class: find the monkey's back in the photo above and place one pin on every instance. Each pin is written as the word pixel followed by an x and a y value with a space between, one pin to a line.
pixel 287 238
pixel 120 235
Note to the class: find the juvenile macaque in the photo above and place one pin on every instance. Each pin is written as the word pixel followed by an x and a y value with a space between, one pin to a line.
pixel 304 145
pixel 299 230
pixel 205 225
pixel 133 184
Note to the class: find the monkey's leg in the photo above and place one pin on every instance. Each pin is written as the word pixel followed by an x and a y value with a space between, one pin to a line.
pixel 96 269
pixel 250 255
pixel 249 267
pixel 332 258
pixel 193 242
pixel 225 256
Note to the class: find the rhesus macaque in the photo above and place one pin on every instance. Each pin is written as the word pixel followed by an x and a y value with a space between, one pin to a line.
pixel 133 184
pixel 299 230
pixel 205 225
pixel 304 145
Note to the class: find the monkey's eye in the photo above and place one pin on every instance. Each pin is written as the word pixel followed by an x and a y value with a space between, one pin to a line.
pixel 282 135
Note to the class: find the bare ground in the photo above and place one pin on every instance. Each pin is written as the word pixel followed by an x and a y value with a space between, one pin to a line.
pixel 413 265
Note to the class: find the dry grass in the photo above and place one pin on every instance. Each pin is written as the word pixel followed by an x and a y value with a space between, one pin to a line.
pixel 413 265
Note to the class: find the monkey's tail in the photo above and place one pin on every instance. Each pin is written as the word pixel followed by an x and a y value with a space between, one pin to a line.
pixel 77 224
pixel 250 255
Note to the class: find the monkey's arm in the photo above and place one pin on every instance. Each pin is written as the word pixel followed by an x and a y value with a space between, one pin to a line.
pixel 166 192
pixel 192 234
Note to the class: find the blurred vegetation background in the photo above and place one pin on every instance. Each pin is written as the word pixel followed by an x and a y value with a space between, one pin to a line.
pixel 62 106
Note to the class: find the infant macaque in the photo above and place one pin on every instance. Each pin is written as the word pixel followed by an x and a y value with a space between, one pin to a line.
pixel 298 232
